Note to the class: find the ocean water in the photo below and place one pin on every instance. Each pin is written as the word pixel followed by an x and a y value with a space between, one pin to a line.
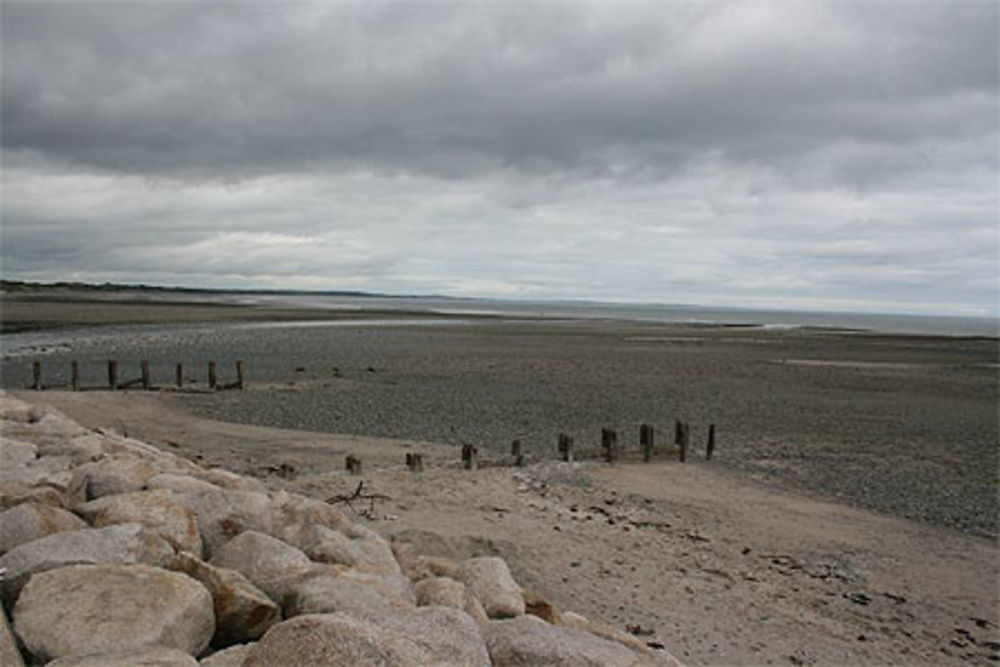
pixel 871 322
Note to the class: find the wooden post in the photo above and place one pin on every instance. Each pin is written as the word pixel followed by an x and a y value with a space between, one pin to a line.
pixel 239 375
pixel 566 447
pixel 470 457
pixel 353 464
pixel 646 440
pixel 415 462
pixel 144 364
pixel 212 380
pixel 681 432
pixel 36 371
pixel 113 375
pixel 710 445
pixel 180 375
pixel 515 451
pixel 609 441
pixel 74 376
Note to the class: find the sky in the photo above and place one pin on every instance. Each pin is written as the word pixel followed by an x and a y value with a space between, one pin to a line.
pixel 803 155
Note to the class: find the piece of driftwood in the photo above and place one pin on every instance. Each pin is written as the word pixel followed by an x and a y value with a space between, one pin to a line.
pixel 358 495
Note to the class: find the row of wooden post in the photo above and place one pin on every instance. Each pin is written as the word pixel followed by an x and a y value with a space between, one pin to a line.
pixel 144 378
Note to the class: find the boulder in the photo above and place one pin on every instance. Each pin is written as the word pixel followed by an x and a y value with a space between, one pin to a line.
pixel 223 514
pixel 242 611
pixel 352 545
pixel 528 640
pixel 13 494
pixel 154 656
pixel 101 608
pixel 10 655
pixel 157 511
pixel 13 409
pixel 292 513
pixel 15 454
pixel 227 657
pixel 489 579
pixel 446 592
pixel 326 592
pixel 268 563
pixel 29 521
pixel 172 481
pixel 82 449
pixel 228 480
pixel 428 636
pixel 117 446
pixel 536 605
pixel 123 544
pixel 412 564
pixel 46 428
pixel 112 476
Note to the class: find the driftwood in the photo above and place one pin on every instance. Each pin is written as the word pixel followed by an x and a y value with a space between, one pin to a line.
pixel 358 494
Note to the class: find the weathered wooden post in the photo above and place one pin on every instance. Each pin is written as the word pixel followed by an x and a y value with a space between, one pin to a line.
pixel 36 371
pixel 113 375
pixel 415 462
pixel 515 451
pixel 352 464
pixel 144 364
pixel 609 442
pixel 710 445
pixel 681 432
pixel 212 379
pixel 74 376
pixel 565 447
pixel 239 375
pixel 470 457
pixel 180 375
pixel 646 439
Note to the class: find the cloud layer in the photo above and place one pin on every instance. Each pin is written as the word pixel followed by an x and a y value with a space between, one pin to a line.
pixel 822 155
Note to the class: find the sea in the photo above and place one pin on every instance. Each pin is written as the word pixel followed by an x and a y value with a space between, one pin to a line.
pixel 643 312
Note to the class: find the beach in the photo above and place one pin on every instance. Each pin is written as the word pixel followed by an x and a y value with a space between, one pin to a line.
pixel 849 514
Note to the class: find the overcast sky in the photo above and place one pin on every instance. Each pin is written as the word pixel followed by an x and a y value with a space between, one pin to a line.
pixel 830 155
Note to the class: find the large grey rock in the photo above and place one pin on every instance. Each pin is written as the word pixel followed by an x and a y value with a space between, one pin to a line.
pixel 123 544
pixel 118 446
pixel 111 476
pixel 242 611
pixel 352 545
pixel 327 592
pixel 446 592
pixel 228 480
pixel 157 511
pixel 14 493
pixel 232 656
pixel 489 579
pixel 81 449
pixel 15 454
pixel 154 656
pixel 13 409
pixel 46 428
pixel 10 655
pixel 172 481
pixel 223 514
pixel 29 521
pixel 428 636
pixel 527 641
pixel 268 563
pixel 100 608
pixel 291 514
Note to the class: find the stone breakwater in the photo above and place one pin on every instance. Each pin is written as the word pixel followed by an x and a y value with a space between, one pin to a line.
pixel 114 552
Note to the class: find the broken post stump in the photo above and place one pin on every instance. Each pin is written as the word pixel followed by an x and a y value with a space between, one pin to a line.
pixel 609 443
pixel 144 365
pixel 515 451
pixel 74 376
pixel 352 464
pixel 239 375
pixel 36 371
pixel 113 375
pixel 565 447
pixel 710 445
pixel 470 457
pixel 681 433
pixel 213 381
pixel 646 439
pixel 415 462
pixel 180 375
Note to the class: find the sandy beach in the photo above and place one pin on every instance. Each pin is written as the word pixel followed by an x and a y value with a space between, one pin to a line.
pixel 850 516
